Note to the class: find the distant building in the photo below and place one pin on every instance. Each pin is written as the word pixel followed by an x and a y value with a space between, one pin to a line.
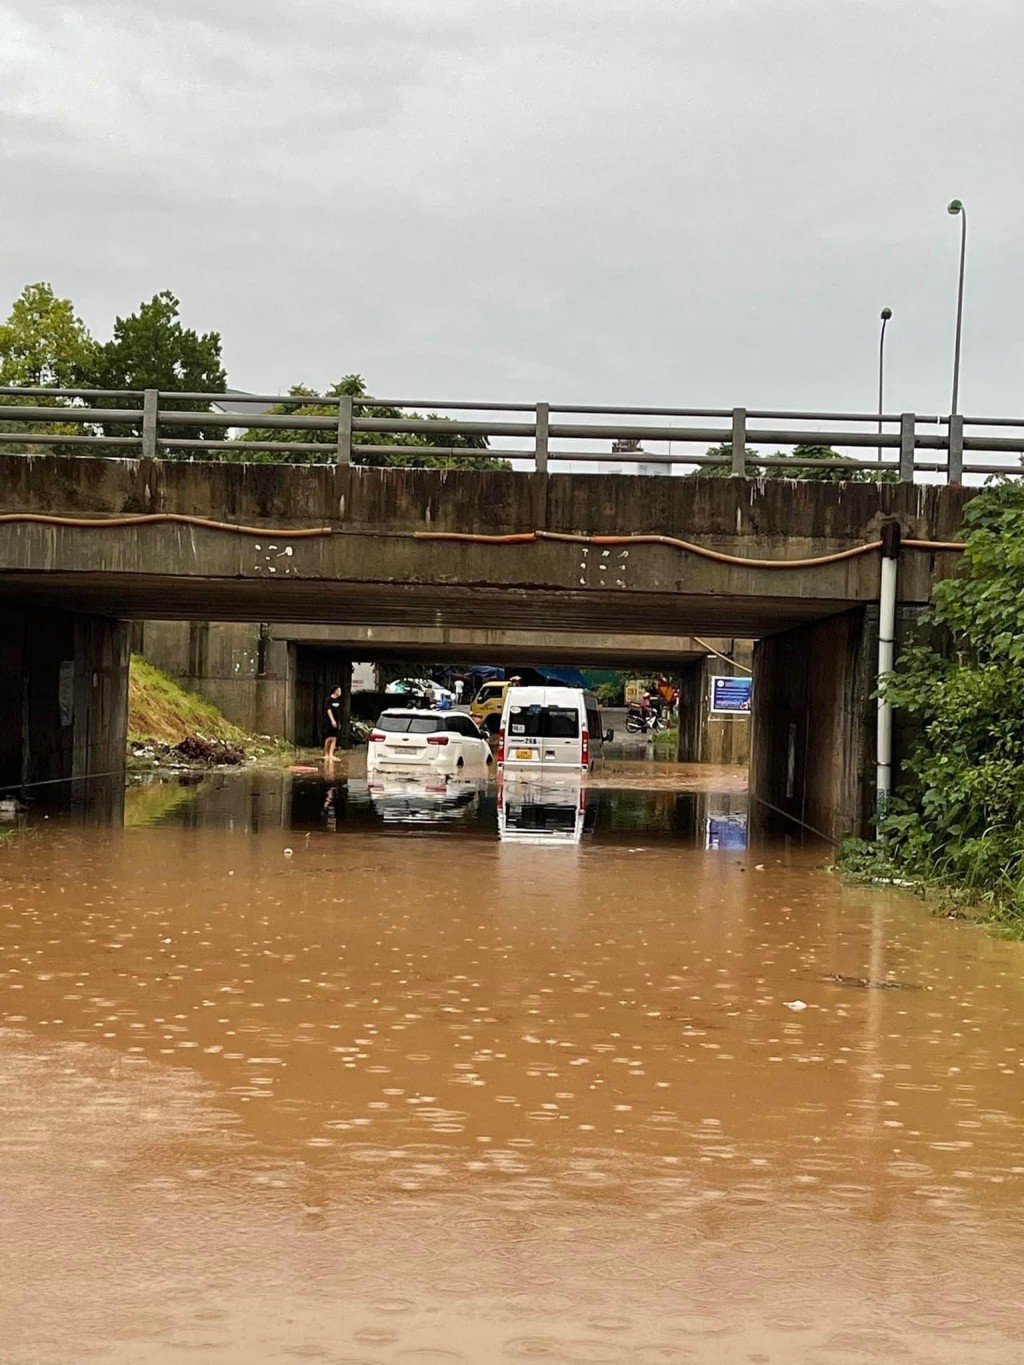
pixel 244 405
pixel 629 446
pixel 237 400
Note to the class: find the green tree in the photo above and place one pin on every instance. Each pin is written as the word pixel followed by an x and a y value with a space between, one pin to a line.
pixel 415 447
pixel 959 819
pixel 719 471
pixel 43 343
pixel 151 349
pixel 840 468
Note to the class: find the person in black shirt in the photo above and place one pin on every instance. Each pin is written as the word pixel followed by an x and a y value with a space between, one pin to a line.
pixel 332 724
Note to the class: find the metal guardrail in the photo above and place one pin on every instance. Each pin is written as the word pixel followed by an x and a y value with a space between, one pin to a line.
pixel 151 412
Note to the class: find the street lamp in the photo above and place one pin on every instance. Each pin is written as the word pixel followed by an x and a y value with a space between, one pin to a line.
pixel 956 207
pixel 886 314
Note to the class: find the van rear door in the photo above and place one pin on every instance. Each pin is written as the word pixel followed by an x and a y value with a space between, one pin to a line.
pixel 544 734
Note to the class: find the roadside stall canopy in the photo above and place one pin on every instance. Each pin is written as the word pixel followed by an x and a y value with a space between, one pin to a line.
pixel 539 673
pixel 560 677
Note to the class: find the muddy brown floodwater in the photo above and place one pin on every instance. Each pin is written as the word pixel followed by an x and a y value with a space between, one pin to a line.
pixel 296 1071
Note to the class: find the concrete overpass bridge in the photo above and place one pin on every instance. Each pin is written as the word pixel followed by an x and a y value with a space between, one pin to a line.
pixel 425 555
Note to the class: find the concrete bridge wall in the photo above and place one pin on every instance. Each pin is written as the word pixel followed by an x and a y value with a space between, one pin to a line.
pixel 368 567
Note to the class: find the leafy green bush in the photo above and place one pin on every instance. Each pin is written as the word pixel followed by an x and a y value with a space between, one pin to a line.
pixel 959 821
pixel 609 694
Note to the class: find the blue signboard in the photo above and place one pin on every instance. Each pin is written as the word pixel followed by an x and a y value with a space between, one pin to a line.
pixel 726 832
pixel 731 695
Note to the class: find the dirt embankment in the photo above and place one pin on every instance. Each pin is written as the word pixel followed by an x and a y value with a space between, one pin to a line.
pixel 161 712
pixel 169 726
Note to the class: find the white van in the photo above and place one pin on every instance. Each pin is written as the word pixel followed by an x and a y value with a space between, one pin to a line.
pixel 545 728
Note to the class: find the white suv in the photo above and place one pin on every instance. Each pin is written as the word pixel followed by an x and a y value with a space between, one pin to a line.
pixel 427 742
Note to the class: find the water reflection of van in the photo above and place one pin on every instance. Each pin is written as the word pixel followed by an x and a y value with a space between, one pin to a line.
pixel 541 813
pixel 545 728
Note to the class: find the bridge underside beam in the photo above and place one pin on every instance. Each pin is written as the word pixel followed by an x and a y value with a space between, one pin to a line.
pixel 486 643
pixel 410 603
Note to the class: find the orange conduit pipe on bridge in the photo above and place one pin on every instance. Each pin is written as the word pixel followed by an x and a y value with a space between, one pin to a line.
pixel 471 538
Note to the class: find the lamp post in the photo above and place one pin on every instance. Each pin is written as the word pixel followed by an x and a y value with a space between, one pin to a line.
pixel 886 314
pixel 956 208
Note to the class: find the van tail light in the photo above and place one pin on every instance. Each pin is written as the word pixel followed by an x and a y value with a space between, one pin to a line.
pixel 376 736
pixel 501 745
pixel 437 739
pixel 586 748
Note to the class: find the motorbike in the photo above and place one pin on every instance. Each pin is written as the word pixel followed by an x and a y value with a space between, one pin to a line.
pixel 640 722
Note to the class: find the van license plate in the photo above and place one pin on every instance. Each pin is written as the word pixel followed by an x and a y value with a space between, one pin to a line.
pixel 524 754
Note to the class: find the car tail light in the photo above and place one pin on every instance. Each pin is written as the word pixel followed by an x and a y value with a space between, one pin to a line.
pixel 586 748
pixel 376 736
pixel 501 746
pixel 437 739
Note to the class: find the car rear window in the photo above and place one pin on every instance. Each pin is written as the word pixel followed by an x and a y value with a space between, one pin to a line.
pixel 544 722
pixel 462 725
pixel 409 725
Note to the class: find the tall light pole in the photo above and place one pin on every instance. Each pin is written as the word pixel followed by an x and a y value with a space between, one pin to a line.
pixel 956 207
pixel 886 314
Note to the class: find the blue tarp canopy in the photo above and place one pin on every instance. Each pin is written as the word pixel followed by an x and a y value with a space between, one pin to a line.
pixel 562 677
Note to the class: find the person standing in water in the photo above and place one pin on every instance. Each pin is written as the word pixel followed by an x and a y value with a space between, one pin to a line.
pixel 332 724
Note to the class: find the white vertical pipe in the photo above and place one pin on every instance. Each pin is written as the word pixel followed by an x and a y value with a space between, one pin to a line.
pixel 886 640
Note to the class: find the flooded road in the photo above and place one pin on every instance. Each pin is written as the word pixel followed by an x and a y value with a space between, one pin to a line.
pixel 293 1070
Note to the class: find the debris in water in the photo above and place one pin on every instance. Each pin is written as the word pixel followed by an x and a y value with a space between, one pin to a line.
pixel 795 1004
pixel 197 749
pixel 865 983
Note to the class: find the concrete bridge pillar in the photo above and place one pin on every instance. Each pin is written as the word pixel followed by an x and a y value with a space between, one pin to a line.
pixel 812 741
pixel 693 712
pixel 64 709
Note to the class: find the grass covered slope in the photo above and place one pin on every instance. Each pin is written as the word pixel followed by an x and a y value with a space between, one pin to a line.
pixel 161 711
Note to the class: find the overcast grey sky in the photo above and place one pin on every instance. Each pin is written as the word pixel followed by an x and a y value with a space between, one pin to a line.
pixel 665 201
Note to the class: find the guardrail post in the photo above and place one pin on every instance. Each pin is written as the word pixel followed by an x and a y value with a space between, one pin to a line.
pixel 739 443
pixel 907 447
pixel 150 412
pixel 541 439
pixel 955 460
pixel 345 429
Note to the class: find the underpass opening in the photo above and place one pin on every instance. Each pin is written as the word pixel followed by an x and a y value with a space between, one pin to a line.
pixel 683 668
pixel 808 734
